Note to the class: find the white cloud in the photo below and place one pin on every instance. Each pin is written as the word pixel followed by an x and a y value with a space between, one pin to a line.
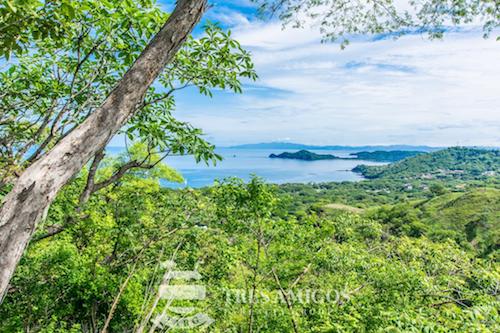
pixel 273 36
pixel 410 91
pixel 228 17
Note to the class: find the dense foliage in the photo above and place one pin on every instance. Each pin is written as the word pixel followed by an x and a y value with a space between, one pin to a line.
pixel 270 260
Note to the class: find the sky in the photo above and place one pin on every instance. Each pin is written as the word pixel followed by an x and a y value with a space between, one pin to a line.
pixel 378 91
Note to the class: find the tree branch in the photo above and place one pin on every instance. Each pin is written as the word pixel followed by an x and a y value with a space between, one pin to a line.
pixel 89 186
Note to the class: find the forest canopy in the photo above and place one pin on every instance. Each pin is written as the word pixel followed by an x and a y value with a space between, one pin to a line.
pixel 428 257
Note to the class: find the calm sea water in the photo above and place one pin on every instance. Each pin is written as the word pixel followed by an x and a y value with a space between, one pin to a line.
pixel 243 163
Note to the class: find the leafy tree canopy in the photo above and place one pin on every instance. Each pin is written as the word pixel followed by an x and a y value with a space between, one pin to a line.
pixel 26 23
pixel 49 91
pixel 340 19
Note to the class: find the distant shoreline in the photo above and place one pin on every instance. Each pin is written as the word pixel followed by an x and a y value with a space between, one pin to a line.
pixel 299 146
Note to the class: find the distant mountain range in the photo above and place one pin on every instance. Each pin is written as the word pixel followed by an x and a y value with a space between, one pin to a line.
pixel 299 146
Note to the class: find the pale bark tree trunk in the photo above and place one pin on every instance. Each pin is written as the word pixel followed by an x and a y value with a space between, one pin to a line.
pixel 28 201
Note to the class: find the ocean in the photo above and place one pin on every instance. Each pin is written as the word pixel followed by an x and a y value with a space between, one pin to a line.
pixel 244 163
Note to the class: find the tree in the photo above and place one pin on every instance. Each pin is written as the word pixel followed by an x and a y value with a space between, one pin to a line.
pixel 249 207
pixel 28 200
pixel 341 19
pixel 50 92
pixel 91 262
pixel 437 189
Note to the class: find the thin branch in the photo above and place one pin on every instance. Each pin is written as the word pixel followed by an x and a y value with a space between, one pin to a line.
pixel 40 129
pixel 287 300
pixel 121 290
pixel 89 186
pixel 452 300
pixel 126 167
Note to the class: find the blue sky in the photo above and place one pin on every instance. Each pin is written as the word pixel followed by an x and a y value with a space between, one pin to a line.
pixel 377 91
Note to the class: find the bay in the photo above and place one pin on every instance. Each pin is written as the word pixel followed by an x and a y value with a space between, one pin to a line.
pixel 244 163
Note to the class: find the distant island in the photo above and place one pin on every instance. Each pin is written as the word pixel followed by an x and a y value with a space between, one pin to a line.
pixel 386 156
pixel 305 155
pixel 376 156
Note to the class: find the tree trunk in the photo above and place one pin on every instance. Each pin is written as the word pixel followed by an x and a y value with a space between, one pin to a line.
pixel 28 201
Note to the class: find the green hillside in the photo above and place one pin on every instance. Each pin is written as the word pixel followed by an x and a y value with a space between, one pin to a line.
pixel 451 163
pixel 386 156
pixel 472 219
